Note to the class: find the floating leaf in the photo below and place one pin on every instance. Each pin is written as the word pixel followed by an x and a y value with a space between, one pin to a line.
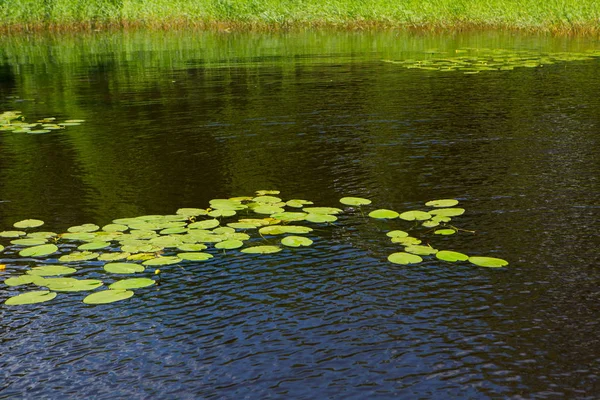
pixel 296 241
pixel 115 228
pixel 83 236
pixel 132 283
pixel 193 256
pixel 28 223
pixel 281 229
pixel 406 241
pixel 51 270
pixel 28 242
pixel 38 296
pixel 421 250
pixel 268 209
pixel 141 256
pixel 39 251
pixel 41 235
pixel 191 247
pixel 397 233
pixel 93 246
pixel 123 268
pixel 79 256
pixel 430 223
pixel 445 232
pixel 491 262
pixel 290 216
pixel 442 203
pixel 162 261
pixel 267 192
pixel 206 224
pixel 108 296
pixel 224 230
pixel 191 212
pixel 448 212
pixel 221 213
pixel 266 199
pixel 114 256
pixel 415 215
pixel 452 256
pixel 12 234
pixel 322 210
pixel 83 228
pixel 355 201
pixel 440 218
pixel 404 258
pixel 19 280
pixel 229 244
pixel 383 214
pixel 74 285
pixel 297 203
pixel 261 249
pixel 320 218
pixel 243 225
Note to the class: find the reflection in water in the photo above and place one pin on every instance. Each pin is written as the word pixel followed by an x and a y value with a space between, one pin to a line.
pixel 176 121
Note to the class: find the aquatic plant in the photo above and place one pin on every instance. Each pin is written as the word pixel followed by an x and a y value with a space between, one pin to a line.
pixel 256 225
pixel 14 121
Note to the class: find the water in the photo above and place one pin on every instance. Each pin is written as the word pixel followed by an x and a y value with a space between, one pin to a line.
pixel 174 120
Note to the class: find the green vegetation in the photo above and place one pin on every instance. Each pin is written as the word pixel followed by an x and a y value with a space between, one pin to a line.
pixel 558 16
pixel 145 241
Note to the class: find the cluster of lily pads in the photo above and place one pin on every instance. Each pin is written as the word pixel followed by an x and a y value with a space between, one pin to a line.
pixel 14 121
pixel 475 60
pixel 132 245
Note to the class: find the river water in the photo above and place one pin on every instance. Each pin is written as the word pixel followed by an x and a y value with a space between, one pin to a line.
pixel 179 118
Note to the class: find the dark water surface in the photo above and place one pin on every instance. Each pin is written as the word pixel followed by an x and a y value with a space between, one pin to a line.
pixel 176 119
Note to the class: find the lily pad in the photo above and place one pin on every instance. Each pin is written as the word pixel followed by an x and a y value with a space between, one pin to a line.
pixel 415 216
pixel 261 249
pixel 162 261
pixel 38 296
pixel 83 228
pixel 113 256
pixel 442 203
pixel 28 223
pixel 297 203
pixel 355 201
pixel 448 212
pixel 267 192
pixel 383 214
pixel 430 223
pixel 406 241
pixel 451 256
pixel 51 270
pixel 75 285
pixel 397 233
pixel 19 280
pixel 266 199
pixel 206 224
pixel 491 262
pixel 115 228
pixel 194 256
pixel 28 242
pixel 296 241
pixel 133 283
pixel 108 296
pixel 191 247
pixel 79 256
pixel 320 218
pixel 229 244
pixel 221 213
pixel 404 258
pixel 39 251
pixel 243 225
pixel 420 250
pixel 173 231
pixel 268 209
pixel 281 229
pixel 191 212
pixel 445 232
pixel 322 210
pixel 93 246
pixel 123 268
pixel 12 234
pixel 290 216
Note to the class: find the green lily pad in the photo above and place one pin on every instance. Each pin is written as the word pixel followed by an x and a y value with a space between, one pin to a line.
pixel 322 210
pixel 194 256
pixel 133 283
pixel 290 216
pixel 445 232
pixel 39 251
pixel 266 199
pixel 442 203
pixel 123 268
pixel 415 216
pixel 404 258
pixel 79 256
pixel 439 218
pixel 420 250
pixel 83 236
pixel 297 203
pixel 383 214
pixel 166 241
pixel 243 225
pixel 221 213
pixel 74 285
pixel 41 235
pixel 51 270
pixel 491 262
pixel 296 241
pixel 108 296
pixel 448 212
pixel 191 247
pixel 406 241
pixel 141 257
pixel 267 192
pixel 229 244
pixel 223 230
pixel 139 248
pixel 12 234
pixel 355 201
pixel 162 261
pixel 430 223
pixel 28 223
pixel 115 228
pixel 19 280
pixel 83 228
pixel 206 224
pixel 397 233
pixel 320 218
pixel 94 246
pixel 113 256
pixel 281 229
pixel 38 296
pixel 191 212
pixel 451 256
pixel 268 209
pixel 28 242
pixel 261 249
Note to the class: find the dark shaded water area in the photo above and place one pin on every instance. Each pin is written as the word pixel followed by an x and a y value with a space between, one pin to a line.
pixel 176 119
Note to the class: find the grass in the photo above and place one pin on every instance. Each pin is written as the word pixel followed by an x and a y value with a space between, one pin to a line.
pixel 554 16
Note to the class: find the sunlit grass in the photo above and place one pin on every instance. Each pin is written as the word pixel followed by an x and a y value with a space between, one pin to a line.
pixel 556 16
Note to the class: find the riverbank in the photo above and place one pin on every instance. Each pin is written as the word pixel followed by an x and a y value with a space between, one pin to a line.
pixel 551 16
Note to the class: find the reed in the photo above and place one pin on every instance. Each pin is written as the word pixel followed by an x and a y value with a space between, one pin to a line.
pixel 554 16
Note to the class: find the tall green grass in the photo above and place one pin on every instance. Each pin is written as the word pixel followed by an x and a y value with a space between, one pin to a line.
pixel 558 16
